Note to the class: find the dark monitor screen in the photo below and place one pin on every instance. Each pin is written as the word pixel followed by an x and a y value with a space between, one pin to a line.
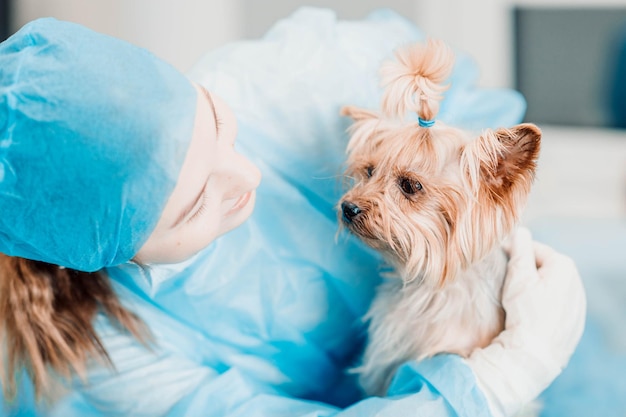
pixel 5 19
pixel 571 65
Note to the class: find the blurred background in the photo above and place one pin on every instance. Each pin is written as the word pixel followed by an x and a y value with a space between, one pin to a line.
pixel 567 57
pixel 562 54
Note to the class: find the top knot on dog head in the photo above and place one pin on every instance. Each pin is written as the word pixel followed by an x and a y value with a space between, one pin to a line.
pixel 414 81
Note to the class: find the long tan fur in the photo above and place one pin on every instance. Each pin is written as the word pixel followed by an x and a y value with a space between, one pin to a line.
pixel 414 81
pixel 437 202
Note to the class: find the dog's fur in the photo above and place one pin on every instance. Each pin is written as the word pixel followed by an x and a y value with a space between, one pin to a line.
pixel 437 202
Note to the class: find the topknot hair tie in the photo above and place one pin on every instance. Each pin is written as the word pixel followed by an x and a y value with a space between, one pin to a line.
pixel 425 123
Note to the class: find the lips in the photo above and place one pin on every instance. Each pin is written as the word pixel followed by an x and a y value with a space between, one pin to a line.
pixel 240 203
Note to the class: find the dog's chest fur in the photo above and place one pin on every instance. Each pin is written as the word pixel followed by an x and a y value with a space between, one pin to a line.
pixel 414 321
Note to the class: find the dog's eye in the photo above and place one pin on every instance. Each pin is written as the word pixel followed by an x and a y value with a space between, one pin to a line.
pixel 370 171
pixel 409 187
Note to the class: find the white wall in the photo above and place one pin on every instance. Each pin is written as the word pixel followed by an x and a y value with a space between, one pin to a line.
pixel 258 15
pixel 482 28
pixel 183 30
pixel 177 31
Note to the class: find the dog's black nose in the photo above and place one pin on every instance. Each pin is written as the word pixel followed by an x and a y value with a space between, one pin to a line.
pixel 350 211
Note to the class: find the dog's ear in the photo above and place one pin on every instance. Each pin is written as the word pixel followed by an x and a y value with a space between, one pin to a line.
pixel 358 114
pixel 500 167
pixel 362 132
pixel 508 161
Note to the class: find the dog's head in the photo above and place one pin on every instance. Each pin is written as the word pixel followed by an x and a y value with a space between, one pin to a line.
pixel 432 198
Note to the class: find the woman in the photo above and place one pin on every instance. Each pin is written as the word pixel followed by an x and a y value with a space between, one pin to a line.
pixel 117 174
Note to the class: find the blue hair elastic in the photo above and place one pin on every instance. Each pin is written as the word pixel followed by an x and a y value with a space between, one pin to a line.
pixel 425 123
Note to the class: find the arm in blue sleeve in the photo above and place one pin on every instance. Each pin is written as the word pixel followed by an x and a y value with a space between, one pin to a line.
pixel 441 386
pixel 164 382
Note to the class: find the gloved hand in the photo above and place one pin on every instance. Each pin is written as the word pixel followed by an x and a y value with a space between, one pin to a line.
pixel 545 306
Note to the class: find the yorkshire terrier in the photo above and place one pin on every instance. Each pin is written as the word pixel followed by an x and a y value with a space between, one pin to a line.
pixel 438 203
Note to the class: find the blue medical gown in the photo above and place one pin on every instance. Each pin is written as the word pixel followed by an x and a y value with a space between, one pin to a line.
pixel 267 321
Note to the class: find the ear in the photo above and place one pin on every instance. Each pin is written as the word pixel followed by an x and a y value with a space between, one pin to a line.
pixel 510 168
pixel 362 130
pixel 357 114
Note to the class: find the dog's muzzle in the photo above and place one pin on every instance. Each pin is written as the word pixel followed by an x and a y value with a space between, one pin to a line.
pixel 350 211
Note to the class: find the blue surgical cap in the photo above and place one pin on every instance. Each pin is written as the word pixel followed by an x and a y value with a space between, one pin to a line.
pixel 93 132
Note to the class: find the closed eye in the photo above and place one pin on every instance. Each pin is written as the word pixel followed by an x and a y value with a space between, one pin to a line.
pixel 200 210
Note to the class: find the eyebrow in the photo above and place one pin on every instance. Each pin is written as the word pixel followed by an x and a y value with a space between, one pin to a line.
pixel 217 122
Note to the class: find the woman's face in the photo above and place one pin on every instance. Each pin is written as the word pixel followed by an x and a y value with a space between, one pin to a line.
pixel 215 191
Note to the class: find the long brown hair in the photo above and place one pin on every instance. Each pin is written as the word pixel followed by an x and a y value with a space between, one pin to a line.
pixel 46 321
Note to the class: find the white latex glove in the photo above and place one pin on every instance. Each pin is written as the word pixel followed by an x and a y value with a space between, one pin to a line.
pixel 545 306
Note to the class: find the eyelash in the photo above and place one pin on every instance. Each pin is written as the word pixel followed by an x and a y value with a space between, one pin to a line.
pixel 218 124
pixel 200 211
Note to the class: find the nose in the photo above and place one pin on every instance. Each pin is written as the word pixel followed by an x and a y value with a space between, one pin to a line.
pixel 237 173
pixel 350 211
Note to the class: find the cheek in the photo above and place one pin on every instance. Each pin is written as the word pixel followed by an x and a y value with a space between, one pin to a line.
pixel 207 226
